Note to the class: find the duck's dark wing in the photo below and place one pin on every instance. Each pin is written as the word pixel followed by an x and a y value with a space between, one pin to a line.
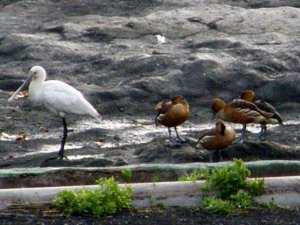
pixel 265 106
pixel 248 108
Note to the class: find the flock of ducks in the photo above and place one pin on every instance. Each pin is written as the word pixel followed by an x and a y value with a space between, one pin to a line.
pixel 244 110
pixel 61 99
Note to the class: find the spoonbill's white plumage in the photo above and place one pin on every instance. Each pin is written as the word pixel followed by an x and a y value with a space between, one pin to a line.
pixel 58 97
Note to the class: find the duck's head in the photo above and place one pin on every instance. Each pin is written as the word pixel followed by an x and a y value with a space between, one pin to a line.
pixel 217 105
pixel 220 127
pixel 178 99
pixel 248 95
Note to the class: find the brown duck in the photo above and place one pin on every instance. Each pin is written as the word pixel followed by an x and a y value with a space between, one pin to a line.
pixel 172 114
pixel 216 139
pixel 240 111
pixel 249 95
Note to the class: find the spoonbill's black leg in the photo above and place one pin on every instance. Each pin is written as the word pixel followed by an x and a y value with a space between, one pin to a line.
pixel 63 140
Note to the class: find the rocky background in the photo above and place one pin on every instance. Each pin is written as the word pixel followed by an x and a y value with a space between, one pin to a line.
pixel 109 50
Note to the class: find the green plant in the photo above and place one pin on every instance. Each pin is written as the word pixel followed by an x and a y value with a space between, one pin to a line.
pixel 155 178
pixel 256 187
pixel 126 175
pixel 230 186
pixel 194 176
pixel 105 200
pixel 227 180
pixel 217 205
pixel 242 199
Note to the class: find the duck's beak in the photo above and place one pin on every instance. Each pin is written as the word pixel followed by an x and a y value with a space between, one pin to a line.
pixel 26 82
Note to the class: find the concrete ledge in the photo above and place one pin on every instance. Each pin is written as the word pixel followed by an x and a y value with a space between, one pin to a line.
pixel 70 176
pixel 284 191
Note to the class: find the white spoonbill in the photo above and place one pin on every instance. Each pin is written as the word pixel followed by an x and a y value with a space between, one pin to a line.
pixel 58 97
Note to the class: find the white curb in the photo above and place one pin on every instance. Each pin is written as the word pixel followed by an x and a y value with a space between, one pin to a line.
pixel 283 191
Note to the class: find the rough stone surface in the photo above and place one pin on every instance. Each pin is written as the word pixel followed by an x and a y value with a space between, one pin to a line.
pixel 109 51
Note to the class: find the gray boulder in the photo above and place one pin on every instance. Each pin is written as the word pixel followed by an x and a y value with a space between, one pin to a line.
pixel 109 50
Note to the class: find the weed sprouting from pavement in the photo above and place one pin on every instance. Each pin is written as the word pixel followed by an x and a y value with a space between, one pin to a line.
pixel 233 191
pixel 109 198
pixel 126 175
pixel 227 189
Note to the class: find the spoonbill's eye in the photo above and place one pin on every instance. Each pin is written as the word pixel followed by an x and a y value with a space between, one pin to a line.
pixel 34 75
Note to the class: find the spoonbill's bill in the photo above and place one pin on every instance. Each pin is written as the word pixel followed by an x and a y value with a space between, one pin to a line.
pixel 58 97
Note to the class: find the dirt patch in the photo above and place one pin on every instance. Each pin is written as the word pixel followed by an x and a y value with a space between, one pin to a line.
pixel 175 216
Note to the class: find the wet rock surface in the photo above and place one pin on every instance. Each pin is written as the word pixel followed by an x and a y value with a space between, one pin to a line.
pixel 110 52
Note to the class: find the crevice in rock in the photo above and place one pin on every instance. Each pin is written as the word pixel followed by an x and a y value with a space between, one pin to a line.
pixel 210 25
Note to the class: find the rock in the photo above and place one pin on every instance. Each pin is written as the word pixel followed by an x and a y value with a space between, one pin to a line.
pixel 110 52
pixel 99 163
pixel 120 162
